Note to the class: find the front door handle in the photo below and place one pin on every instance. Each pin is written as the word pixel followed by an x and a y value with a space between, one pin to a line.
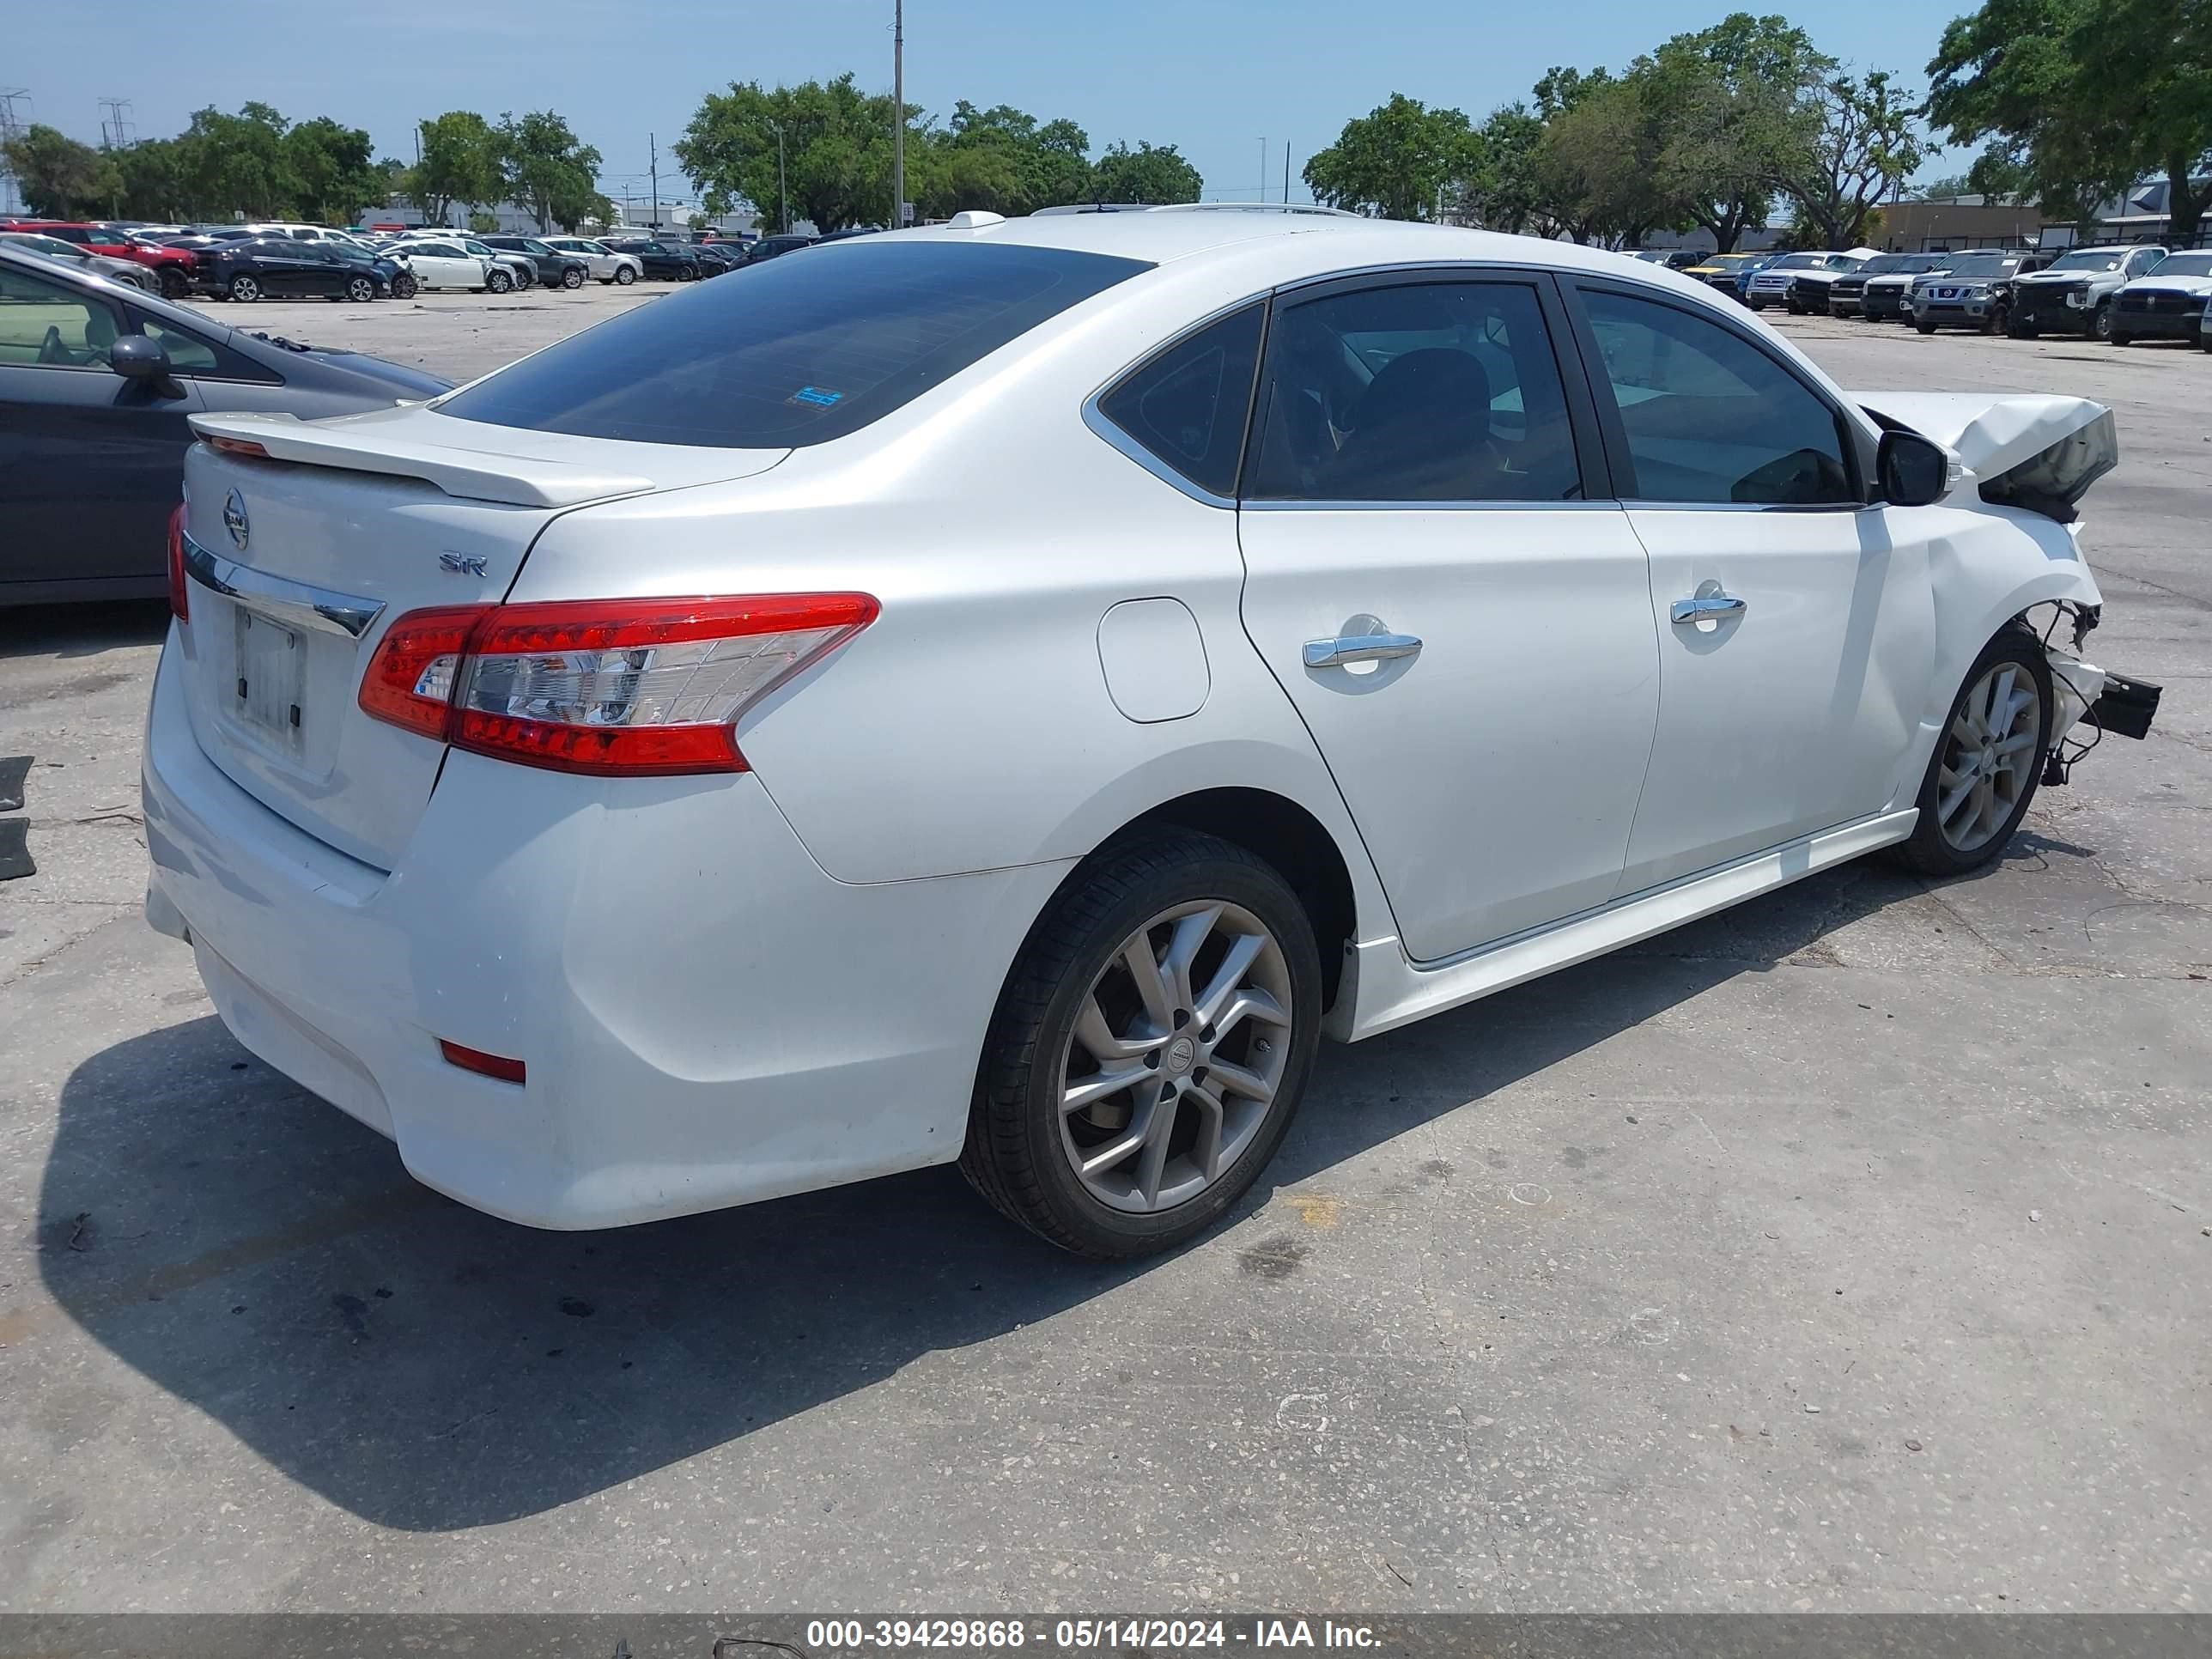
pixel 1707 607
pixel 1359 648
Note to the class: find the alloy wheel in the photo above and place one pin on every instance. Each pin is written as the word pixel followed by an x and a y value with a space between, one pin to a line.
pixel 244 288
pixel 1176 1056
pixel 1989 758
pixel 361 290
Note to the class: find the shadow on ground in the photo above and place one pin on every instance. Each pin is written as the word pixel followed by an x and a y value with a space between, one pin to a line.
pixel 266 1260
pixel 80 630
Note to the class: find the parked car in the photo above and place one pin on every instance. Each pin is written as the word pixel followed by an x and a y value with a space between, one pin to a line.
pixel 518 268
pixel 1798 281
pixel 772 248
pixel 83 259
pixel 1884 283
pixel 1973 290
pixel 2167 303
pixel 304 232
pixel 849 233
pixel 605 264
pixel 553 270
pixel 1254 805
pixel 442 262
pixel 2074 292
pixel 96 385
pixel 655 258
pixel 172 267
pixel 1847 294
pixel 278 268
pixel 716 257
pixel 1720 270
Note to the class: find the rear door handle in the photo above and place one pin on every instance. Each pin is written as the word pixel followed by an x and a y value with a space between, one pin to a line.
pixel 1707 607
pixel 1359 648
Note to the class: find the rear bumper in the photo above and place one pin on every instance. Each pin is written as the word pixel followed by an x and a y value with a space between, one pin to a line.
pixel 706 1017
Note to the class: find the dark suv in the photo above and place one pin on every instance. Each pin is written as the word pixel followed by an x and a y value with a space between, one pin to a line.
pixel 670 259
pixel 554 268
pixel 278 268
pixel 2075 293
pixel 769 247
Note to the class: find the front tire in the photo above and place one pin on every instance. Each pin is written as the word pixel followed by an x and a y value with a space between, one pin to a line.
pixel 404 286
pixel 172 283
pixel 1986 764
pixel 571 277
pixel 2100 325
pixel 245 290
pixel 624 275
pixel 1150 1047
pixel 500 281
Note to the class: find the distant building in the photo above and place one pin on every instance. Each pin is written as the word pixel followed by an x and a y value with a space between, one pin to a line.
pixel 1939 224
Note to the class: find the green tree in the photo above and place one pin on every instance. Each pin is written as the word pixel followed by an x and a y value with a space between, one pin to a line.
pixel 547 169
pixel 1007 154
pixel 1858 139
pixel 461 165
pixel 1598 170
pixel 2083 98
pixel 58 177
pixel 1398 161
pixel 836 150
pixel 1502 192
pixel 333 170
pixel 1155 174
pixel 238 163
pixel 1727 104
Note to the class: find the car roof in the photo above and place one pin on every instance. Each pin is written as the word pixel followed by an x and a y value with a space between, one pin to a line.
pixel 1291 244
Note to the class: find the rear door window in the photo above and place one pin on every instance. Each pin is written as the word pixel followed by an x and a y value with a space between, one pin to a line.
pixel 794 354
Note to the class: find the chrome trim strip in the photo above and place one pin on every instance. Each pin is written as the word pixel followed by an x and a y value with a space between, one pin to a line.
pixel 302 604
pixel 1144 457
pixel 1251 505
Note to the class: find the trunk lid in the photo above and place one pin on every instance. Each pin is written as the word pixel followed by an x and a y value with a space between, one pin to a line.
pixel 300 560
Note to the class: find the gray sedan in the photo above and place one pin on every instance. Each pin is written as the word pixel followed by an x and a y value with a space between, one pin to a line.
pixel 96 380
pixel 83 258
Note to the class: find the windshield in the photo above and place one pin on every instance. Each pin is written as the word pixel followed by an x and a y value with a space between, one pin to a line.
pixel 2184 264
pixel 2090 259
pixel 52 247
pixel 1801 262
pixel 1882 264
pixel 531 245
pixel 1984 264
pixel 807 352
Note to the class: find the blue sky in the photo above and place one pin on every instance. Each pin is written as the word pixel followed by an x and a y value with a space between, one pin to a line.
pixel 1213 76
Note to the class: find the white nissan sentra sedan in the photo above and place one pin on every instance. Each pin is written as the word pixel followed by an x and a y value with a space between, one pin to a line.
pixel 1002 693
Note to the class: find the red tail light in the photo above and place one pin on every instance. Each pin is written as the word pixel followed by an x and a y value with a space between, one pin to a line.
pixel 245 447
pixel 476 1060
pixel 180 597
pixel 615 688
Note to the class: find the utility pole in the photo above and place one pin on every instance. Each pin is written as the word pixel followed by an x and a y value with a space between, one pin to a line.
pixel 114 122
pixel 1263 195
pixel 652 150
pixel 782 197
pixel 1287 173
pixel 898 115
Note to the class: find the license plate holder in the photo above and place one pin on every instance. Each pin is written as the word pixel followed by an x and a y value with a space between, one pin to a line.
pixel 271 683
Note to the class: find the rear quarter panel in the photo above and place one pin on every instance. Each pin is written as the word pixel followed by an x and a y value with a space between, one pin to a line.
pixel 970 727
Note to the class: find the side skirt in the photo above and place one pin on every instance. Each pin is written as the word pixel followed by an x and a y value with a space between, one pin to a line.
pixel 1389 990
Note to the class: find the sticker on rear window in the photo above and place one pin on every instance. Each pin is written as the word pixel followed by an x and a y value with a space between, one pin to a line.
pixel 816 396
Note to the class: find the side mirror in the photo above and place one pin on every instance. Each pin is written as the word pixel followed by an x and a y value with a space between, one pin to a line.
pixel 1912 471
pixel 135 357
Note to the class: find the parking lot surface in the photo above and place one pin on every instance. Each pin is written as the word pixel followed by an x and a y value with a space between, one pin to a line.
pixel 1845 1251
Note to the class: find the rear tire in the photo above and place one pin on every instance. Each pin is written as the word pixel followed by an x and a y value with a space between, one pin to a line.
pixel 1170 895
pixel 1925 328
pixel 361 290
pixel 172 283
pixel 1987 792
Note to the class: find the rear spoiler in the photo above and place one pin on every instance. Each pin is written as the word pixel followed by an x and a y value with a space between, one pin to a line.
pixel 377 443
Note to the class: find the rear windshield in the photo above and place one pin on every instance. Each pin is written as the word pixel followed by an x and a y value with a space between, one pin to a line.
pixel 803 350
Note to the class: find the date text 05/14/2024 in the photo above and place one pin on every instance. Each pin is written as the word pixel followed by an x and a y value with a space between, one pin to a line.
pixel 1081 1635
